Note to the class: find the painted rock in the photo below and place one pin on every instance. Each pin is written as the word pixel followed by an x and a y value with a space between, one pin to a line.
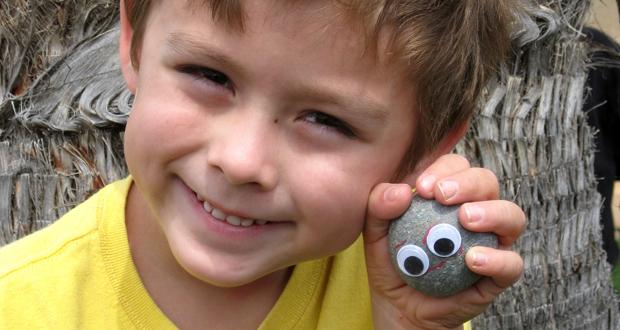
pixel 428 246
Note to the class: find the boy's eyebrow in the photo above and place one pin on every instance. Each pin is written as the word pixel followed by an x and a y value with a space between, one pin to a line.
pixel 187 44
pixel 360 104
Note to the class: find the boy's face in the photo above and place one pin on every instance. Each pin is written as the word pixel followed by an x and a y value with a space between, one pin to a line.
pixel 287 122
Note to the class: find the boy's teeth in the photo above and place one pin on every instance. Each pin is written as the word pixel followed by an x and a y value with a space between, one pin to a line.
pixel 218 214
pixel 247 222
pixel 231 219
pixel 207 207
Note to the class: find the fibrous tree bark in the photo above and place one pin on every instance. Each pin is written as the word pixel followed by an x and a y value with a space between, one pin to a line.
pixel 531 131
pixel 63 106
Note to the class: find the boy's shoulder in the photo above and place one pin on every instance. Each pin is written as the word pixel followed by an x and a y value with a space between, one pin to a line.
pixel 66 236
pixel 48 242
pixel 59 276
pixel 77 272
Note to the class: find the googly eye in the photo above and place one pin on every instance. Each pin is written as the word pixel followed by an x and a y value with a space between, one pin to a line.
pixel 412 260
pixel 443 240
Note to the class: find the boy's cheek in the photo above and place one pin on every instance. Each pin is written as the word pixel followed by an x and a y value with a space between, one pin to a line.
pixel 340 197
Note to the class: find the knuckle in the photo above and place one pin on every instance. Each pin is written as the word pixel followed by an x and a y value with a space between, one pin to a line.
pixel 511 268
pixel 460 160
pixel 522 223
pixel 488 175
pixel 518 267
pixel 455 161
pixel 492 178
pixel 518 218
pixel 488 179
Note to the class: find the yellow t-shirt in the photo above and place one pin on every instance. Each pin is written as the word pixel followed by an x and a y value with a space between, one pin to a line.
pixel 78 274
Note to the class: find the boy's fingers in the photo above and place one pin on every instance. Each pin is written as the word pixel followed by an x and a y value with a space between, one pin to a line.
pixel 503 267
pixel 444 166
pixel 387 201
pixel 474 184
pixel 503 218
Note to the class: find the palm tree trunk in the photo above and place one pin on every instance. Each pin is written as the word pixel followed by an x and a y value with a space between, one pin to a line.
pixel 532 133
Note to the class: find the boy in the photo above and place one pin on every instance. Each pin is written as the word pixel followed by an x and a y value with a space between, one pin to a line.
pixel 258 133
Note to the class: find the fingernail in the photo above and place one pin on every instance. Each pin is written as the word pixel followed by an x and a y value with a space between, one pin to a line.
pixel 473 213
pixel 448 189
pixel 392 193
pixel 427 182
pixel 480 259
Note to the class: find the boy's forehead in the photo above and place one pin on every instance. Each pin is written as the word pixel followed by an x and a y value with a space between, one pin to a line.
pixel 232 12
pixel 324 22
pixel 303 52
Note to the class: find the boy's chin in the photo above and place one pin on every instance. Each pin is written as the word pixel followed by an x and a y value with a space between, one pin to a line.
pixel 223 278
pixel 227 282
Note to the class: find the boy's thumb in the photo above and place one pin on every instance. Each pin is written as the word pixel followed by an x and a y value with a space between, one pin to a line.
pixel 387 201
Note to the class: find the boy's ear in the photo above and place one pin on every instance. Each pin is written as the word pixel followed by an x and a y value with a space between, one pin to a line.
pixel 445 146
pixel 451 139
pixel 124 48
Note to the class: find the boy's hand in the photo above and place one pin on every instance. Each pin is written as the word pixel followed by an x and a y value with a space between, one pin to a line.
pixel 450 180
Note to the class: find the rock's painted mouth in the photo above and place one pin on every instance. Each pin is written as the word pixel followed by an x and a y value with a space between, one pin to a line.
pixel 436 266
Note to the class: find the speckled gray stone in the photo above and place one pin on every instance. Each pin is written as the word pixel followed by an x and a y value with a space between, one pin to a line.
pixel 445 275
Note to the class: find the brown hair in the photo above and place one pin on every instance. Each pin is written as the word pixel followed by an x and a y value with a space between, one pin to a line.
pixel 452 46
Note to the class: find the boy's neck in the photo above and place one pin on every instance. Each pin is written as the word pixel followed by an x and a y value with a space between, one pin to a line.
pixel 187 301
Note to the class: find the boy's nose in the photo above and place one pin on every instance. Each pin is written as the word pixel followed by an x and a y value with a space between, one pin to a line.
pixel 243 154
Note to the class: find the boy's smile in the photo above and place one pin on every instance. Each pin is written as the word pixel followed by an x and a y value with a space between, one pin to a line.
pixel 280 130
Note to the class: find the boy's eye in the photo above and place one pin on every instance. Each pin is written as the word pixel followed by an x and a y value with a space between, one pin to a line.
pixel 207 75
pixel 329 122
